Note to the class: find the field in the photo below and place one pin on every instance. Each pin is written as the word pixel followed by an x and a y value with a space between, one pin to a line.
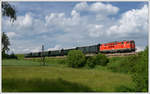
pixel 29 76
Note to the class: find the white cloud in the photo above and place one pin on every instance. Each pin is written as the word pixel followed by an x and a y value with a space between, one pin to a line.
pixel 139 48
pixel 98 7
pixel 57 28
pixel 36 49
pixel 83 6
pixel 27 20
pixel 24 21
pixel 57 47
pixel 103 8
pixel 133 21
pixel 95 30
pixel 11 34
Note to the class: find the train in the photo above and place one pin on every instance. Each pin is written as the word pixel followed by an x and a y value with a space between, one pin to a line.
pixel 111 47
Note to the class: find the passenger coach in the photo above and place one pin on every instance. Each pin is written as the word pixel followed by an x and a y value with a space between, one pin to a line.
pixel 112 47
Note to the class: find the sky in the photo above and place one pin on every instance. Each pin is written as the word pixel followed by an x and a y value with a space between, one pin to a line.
pixel 58 25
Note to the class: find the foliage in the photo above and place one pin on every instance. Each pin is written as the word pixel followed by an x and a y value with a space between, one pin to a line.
pixel 8 10
pixel 11 56
pixel 91 62
pixel 76 58
pixel 140 71
pixel 136 65
pixel 4 56
pixel 101 60
pixel 122 64
pixel 5 43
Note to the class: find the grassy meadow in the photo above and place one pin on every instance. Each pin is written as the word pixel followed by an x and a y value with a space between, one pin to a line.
pixel 29 76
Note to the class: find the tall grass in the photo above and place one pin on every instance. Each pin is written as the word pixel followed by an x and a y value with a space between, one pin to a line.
pixel 13 62
pixel 57 78
pixel 34 62
pixel 42 85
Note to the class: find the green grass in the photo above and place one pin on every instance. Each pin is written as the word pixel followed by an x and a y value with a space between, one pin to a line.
pixel 57 77
pixel 33 62
pixel 13 62
pixel 20 56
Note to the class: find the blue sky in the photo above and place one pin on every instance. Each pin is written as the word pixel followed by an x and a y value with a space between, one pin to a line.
pixel 60 25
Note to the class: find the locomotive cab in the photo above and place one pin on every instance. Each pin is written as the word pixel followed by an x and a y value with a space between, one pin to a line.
pixel 132 45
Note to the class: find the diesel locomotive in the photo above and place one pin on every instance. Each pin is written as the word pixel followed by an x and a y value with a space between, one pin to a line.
pixel 112 47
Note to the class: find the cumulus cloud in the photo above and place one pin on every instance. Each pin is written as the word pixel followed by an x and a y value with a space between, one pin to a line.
pixel 57 47
pixel 133 21
pixel 36 49
pixel 98 7
pixel 139 48
pixel 95 30
pixel 104 8
pixel 57 30
pixel 24 21
pixel 11 34
pixel 83 6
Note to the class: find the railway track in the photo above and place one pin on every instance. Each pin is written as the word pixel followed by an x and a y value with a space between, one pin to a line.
pixel 121 54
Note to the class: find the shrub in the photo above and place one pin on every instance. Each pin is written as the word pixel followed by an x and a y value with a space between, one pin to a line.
pixel 136 65
pixel 122 64
pixel 76 58
pixel 140 71
pixel 91 62
pixel 101 60
pixel 11 56
pixel 4 56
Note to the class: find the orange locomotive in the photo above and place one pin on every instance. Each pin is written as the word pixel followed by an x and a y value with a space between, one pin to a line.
pixel 123 46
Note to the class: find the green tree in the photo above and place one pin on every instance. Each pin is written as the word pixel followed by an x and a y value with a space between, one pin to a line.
pixel 76 59
pixel 91 62
pixel 5 43
pixel 8 10
pixel 101 60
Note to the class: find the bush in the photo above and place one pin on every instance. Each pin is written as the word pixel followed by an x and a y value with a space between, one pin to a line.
pixel 140 72
pixel 4 56
pixel 91 62
pixel 122 64
pixel 76 58
pixel 136 65
pixel 11 56
pixel 101 60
